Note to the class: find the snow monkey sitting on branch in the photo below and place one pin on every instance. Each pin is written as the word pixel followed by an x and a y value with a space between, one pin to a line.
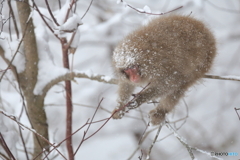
pixel 168 55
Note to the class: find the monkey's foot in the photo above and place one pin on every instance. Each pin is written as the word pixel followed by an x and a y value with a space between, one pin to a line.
pixel 157 116
pixel 117 114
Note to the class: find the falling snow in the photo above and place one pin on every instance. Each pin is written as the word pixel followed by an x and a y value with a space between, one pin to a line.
pixel 104 26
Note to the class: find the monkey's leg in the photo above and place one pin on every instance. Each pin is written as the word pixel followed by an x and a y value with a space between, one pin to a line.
pixel 124 91
pixel 157 115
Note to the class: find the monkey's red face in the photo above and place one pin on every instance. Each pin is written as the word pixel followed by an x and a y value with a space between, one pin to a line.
pixel 133 74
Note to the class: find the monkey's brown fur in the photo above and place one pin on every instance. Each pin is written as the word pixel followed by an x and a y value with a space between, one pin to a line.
pixel 171 53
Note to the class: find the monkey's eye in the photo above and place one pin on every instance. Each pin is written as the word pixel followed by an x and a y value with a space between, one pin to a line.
pixel 124 73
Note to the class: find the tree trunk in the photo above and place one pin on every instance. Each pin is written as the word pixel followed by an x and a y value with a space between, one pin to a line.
pixel 28 79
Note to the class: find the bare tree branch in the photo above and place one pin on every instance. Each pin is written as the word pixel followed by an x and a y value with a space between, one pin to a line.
pixel 223 9
pixel 236 110
pixel 50 12
pixel 72 75
pixel 69 106
pixel 6 148
pixel 87 9
pixel 154 141
pixel 69 9
pixel 232 78
pixel 106 79
pixel 13 18
pixel 30 129
pixel 189 148
pixel 145 12
pixel 9 63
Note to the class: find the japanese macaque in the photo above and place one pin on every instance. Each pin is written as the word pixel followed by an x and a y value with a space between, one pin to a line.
pixel 168 55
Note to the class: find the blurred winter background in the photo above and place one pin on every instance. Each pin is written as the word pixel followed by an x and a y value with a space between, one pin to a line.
pixel 206 120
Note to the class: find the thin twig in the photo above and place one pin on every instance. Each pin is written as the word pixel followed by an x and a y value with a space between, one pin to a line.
pixel 10 63
pixel 223 9
pixel 144 12
pixel 56 146
pixel 44 20
pixel 189 149
pixel 87 9
pixel 6 148
pixel 140 157
pixel 154 141
pixel 32 130
pixel 41 15
pixel 236 109
pixel 184 118
pixel 69 9
pixel 144 133
pixel 232 78
pixel 84 125
pixel 59 4
pixel 13 18
pixel 23 142
pixel 89 125
pixel 50 12
pixel 9 26
pixel 71 39
pixel 144 136
pixel 14 70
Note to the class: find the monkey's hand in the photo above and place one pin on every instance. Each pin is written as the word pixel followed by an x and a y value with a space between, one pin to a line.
pixel 132 105
pixel 157 116
pixel 117 113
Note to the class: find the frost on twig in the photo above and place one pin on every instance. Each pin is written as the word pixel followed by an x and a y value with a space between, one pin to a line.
pixel 154 141
pixel 146 9
pixel 76 74
pixel 106 79
pixel 71 24
pixel 181 140
pixel 189 148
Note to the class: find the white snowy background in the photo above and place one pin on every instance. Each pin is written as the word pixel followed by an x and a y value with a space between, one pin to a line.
pixel 211 124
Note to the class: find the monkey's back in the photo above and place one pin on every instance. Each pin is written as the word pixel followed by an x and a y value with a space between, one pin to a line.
pixel 173 49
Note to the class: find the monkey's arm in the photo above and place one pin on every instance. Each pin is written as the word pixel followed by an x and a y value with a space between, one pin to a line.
pixel 124 91
pixel 140 98
pixel 145 96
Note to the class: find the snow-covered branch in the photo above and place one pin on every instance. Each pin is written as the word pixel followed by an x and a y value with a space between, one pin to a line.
pixel 189 148
pixel 154 141
pixel 107 79
pixel 146 9
pixel 72 75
